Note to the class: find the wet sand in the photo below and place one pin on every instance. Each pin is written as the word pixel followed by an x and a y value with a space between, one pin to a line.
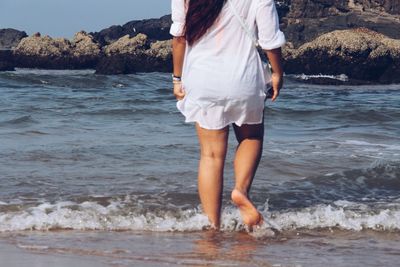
pixel 19 256
pixel 96 248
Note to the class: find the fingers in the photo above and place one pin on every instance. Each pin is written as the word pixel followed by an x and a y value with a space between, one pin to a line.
pixel 179 96
pixel 179 93
pixel 277 82
pixel 275 95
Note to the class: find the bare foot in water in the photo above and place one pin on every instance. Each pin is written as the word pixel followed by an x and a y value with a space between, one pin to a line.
pixel 250 214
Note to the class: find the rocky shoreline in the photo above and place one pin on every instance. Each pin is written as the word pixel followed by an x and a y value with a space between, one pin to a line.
pixel 362 54
pixel 359 38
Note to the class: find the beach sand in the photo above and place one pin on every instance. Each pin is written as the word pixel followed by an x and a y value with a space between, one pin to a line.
pixel 99 248
pixel 17 256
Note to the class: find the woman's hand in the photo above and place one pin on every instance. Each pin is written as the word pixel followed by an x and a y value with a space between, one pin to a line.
pixel 277 82
pixel 179 92
pixel 275 59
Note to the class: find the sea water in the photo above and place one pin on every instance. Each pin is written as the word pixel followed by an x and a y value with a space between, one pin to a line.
pixel 81 152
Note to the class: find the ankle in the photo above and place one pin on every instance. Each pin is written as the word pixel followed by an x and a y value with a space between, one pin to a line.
pixel 238 196
pixel 241 190
pixel 214 225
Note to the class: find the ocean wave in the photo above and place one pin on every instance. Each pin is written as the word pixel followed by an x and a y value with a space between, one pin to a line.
pixel 118 216
pixel 122 112
pixel 362 143
pixel 366 115
pixel 19 120
pixel 379 182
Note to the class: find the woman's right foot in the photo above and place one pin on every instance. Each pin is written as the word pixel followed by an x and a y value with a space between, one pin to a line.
pixel 250 214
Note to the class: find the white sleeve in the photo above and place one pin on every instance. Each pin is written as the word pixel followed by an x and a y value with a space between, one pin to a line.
pixel 178 17
pixel 269 35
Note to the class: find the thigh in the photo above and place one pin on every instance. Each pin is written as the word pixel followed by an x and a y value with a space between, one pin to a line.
pixel 213 143
pixel 249 131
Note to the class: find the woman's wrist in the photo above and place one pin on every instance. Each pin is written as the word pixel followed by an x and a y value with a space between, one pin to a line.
pixel 176 78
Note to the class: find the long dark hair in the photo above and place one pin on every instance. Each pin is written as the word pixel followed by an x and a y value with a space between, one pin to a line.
pixel 200 16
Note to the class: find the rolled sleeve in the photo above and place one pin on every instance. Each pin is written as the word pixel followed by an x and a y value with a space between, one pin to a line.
pixel 178 18
pixel 269 34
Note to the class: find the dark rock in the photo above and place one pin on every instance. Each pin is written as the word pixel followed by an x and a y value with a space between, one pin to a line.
pixel 9 38
pixel 283 7
pixel 115 64
pixel 316 8
pixel 154 29
pixel 128 64
pixel 6 60
pixel 109 35
pixel 389 6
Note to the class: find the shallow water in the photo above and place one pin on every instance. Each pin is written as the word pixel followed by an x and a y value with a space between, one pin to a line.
pixel 89 152
pixel 290 249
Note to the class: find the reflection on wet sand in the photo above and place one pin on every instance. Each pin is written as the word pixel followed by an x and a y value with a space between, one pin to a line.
pixel 228 249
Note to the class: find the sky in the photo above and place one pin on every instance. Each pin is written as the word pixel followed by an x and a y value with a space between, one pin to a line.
pixel 63 18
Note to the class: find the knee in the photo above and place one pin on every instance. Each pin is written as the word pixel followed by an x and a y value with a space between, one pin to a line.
pixel 212 154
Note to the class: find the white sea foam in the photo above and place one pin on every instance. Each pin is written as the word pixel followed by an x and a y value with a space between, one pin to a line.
pixel 32 247
pixel 327 216
pixel 364 143
pixel 52 72
pixel 116 216
pixel 341 77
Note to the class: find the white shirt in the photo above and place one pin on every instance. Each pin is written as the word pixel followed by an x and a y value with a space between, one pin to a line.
pixel 222 72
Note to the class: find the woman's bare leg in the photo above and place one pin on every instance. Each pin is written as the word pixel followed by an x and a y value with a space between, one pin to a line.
pixel 213 147
pixel 247 158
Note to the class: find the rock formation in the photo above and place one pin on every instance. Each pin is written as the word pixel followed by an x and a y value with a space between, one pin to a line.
pixel 135 54
pixel 362 54
pixel 307 19
pixel 154 29
pixel 324 36
pixel 57 53
pixel 301 20
pixel 159 56
pixel 127 45
pixel 43 46
pixel 83 45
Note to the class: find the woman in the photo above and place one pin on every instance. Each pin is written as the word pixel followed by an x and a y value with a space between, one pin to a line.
pixel 218 80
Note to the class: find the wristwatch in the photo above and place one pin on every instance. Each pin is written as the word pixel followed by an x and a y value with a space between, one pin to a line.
pixel 176 78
